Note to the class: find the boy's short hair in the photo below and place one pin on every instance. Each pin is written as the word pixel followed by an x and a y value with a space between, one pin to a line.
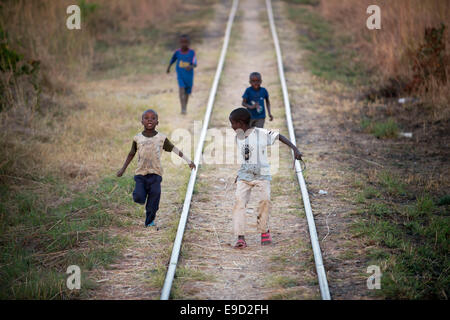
pixel 149 110
pixel 255 74
pixel 240 114
pixel 185 36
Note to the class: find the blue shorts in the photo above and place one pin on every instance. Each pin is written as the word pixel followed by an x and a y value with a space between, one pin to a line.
pixel 186 84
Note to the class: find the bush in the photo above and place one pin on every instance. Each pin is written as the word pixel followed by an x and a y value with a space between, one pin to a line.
pixel 15 70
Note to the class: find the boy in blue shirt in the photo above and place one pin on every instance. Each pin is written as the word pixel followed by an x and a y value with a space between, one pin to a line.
pixel 186 62
pixel 253 99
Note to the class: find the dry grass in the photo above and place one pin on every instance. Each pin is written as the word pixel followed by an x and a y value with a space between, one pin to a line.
pixel 403 24
pixel 38 30
pixel 34 109
pixel 137 13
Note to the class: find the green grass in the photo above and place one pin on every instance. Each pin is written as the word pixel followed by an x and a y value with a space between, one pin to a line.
pixel 391 184
pixel 182 275
pixel 280 281
pixel 379 210
pixel 368 192
pixel 444 200
pixel 408 239
pixel 305 2
pixel 40 240
pixel 328 56
pixel 381 129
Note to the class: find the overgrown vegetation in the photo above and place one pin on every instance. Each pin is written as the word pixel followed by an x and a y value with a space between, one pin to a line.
pixel 408 235
pixel 430 60
pixel 409 56
pixel 40 240
pixel 328 57
pixel 19 82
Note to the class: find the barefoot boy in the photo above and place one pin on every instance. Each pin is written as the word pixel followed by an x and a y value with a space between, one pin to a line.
pixel 253 99
pixel 148 144
pixel 252 145
pixel 186 62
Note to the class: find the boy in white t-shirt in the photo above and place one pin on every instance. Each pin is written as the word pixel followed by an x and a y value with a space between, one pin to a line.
pixel 254 172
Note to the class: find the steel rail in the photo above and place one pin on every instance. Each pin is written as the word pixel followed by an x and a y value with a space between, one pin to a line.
pixel 320 269
pixel 165 293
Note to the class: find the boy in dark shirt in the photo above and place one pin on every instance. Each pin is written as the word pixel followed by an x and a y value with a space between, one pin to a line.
pixel 253 99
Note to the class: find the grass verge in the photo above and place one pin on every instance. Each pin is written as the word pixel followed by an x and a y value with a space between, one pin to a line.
pixel 43 235
pixel 328 55
pixel 408 235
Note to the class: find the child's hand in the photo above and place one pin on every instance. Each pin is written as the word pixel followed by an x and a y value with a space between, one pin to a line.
pixel 254 106
pixel 168 70
pixel 192 165
pixel 270 117
pixel 120 172
pixel 297 155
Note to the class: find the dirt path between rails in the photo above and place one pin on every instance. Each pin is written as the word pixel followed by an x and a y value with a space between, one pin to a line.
pixel 209 267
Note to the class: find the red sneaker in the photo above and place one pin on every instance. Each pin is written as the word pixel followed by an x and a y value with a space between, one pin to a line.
pixel 240 244
pixel 266 238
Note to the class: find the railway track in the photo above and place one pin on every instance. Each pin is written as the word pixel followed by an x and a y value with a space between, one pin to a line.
pixel 320 270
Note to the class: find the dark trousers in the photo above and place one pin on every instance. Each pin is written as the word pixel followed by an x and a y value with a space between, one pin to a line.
pixel 148 189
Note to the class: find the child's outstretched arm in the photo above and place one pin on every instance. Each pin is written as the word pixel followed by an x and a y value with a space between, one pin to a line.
pixel 172 61
pixel 189 161
pixel 247 105
pixel 286 141
pixel 128 160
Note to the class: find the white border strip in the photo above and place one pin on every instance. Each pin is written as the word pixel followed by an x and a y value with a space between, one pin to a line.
pixel 187 201
pixel 321 274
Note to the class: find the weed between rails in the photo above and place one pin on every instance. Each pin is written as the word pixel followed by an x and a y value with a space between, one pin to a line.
pixel 408 238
